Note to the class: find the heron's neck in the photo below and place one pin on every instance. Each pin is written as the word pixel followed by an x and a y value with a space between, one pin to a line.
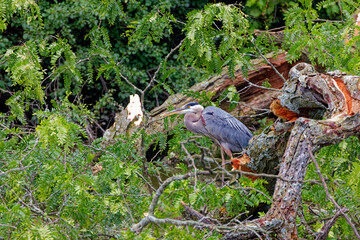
pixel 193 121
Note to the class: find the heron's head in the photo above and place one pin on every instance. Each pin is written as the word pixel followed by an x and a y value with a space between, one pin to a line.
pixel 192 107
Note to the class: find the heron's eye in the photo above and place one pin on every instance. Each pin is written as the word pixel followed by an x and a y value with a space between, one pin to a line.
pixel 188 106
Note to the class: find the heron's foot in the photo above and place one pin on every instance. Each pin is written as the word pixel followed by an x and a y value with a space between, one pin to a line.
pixel 240 164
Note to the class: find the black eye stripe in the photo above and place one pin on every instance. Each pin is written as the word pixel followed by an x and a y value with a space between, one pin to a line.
pixel 191 104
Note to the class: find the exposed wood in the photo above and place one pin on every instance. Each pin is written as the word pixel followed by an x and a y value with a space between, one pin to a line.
pixel 334 97
pixel 283 112
pixel 321 94
pixel 257 98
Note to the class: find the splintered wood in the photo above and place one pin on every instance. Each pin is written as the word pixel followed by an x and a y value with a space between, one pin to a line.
pixel 331 104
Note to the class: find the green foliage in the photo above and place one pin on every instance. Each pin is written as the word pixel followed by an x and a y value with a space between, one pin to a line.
pixel 324 41
pixel 56 130
pixel 215 37
pixel 63 66
pixel 23 66
pixel 204 98
pixel 3 5
pixel 29 10
pixel 110 10
pixel 152 28
pixel 209 196
pixel 340 166
pixel 232 96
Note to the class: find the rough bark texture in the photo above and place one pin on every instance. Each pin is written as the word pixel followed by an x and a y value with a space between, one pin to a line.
pixel 333 96
pixel 258 98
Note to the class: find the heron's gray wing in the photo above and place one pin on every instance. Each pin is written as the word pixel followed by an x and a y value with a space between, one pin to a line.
pixel 222 126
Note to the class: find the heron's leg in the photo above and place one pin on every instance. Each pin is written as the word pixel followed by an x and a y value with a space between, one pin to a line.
pixel 223 166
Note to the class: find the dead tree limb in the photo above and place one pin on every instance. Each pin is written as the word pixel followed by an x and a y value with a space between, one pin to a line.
pixel 333 96
pixel 253 96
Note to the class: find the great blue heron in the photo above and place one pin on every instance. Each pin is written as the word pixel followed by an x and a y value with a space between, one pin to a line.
pixel 231 134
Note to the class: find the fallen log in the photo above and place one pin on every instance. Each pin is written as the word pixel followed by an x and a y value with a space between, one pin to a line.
pixel 334 97
pixel 256 97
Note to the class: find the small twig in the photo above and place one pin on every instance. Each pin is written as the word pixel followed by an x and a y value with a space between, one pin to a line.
pixel 262 87
pixel 342 18
pixel 330 197
pixel 165 59
pixel 250 189
pixel 15 169
pixel 163 186
pixel 146 181
pixel 192 161
pixel 131 84
pixel 266 60
pixel 126 204
pixel 274 176
pixel 86 59
pixel 6 225
pixel 6 91
pixel 196 214
pixel 251 107
pixel 324 232
pixel 303 220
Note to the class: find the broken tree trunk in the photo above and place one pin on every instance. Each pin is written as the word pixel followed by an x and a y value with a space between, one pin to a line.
pixel 334 96
pixel 257 98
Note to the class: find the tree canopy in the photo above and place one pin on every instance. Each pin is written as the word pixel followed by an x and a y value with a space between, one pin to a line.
pixel 68 67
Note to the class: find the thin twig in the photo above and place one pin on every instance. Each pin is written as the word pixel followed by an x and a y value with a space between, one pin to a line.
pixel 192 161
pixel 324 232
pixel 15 169
pixel 262 87
pixel 198 215
pixel 163 186
pixel 340 209
pixel 165 59
pixel 268 62
pixel 126 204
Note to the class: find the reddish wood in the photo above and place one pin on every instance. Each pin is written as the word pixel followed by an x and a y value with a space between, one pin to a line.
pixel 283 112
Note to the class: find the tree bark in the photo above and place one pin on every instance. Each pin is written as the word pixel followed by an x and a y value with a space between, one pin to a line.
pixel 334 96
pixel 257 98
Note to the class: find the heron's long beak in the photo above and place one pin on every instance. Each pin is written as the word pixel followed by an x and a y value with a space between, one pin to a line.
pixel 176 111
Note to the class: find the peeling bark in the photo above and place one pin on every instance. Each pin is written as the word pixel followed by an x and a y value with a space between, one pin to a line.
pixel 334 96
pixel 253 96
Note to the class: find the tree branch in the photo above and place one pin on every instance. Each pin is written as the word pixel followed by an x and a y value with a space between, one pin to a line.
pixel 163 186
pixel 268 62
pixel 339 209
pixel 324 232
